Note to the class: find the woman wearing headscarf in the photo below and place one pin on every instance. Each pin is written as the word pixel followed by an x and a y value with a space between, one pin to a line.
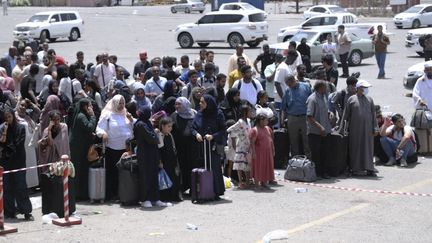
pixel 148 159
pixel 26 114
pixel 195 98
pixel 93 91
pixel 231 105
pixel 53 103
pixel 81 138
pixel 187 147
pixel 53 89
pixel 115 127
pixel 139 100
pixel 162 101
pixel 13 156
pixel 54 142
pixel 209 124
pixel 6 82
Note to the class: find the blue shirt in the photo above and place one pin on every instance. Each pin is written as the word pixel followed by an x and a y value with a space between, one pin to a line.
pixel 185 76
pixel 294 100
pixel 152 87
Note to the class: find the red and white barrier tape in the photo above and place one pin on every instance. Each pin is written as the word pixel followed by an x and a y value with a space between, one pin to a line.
pixel 353 189
pixel 66 193
pixel 28 168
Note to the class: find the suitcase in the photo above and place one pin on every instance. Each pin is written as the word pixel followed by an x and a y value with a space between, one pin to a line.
pixel 424 138
pixel 52 194
pixel 337 156
pixel 96 181
pixel 202 181
pixel 282 148
pixel 128 180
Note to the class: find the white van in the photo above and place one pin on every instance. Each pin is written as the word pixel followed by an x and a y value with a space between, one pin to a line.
pixel 323 20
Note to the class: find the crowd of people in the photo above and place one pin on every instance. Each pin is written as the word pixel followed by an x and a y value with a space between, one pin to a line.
pixel 49 109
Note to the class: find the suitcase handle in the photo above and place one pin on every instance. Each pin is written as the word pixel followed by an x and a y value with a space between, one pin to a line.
pixel 205 153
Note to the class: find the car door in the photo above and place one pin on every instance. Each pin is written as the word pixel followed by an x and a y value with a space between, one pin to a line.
pixel 427 16
pixel 316 45
pixel 203 30
pixel 65 24
pixel 224 25
pixel 55 26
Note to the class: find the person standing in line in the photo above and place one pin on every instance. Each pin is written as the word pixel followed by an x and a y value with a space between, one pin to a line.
pixel 266 58
pixel 329 48
pixel 343 42
pixel 380 41
pixel 362 125
pixel 5 4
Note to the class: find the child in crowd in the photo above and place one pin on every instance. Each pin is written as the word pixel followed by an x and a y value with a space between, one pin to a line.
pixel 242 158
pixel 229 149
pixel 263 151
pixel 169 161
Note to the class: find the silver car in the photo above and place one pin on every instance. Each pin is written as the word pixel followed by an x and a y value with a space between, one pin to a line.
pixel 360 48
pixel 188 6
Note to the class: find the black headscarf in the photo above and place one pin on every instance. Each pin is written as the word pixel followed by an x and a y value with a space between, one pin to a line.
pixel 50 87
pixel 230 97
pixel 144 114
pixel 211 109
pixel 169 90
pixel 79 108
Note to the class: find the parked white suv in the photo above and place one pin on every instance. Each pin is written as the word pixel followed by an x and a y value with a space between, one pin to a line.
pixel 324 20
pixel 50 26
pixel 412 39
pixel 234 27
pixel 414 17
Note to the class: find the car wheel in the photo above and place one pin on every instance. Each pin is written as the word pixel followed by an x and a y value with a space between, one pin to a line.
pixel 399 27
pixel 253 44
pixel 235 39
pixel 74 34
pixel 185 40
pixel 187 10
pixel 355 58
pixel 416 24
pixel 52 39
pixel 202 11
pixel 203 44
pixel 420 53
pixel 173 10
pixel 44 36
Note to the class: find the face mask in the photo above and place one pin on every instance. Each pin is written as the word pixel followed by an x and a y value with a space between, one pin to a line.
pixel 365 91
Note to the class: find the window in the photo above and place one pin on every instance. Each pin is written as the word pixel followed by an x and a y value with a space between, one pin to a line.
pixel 428 9
pixel 258 17
pixel 38 18
pixel 56 17
pixel 313 22
pixel 319 10
pixel 208 19
pixel 227 18
pixel 323 37
pixel 64 17
pixel 72 16
pixel 329 20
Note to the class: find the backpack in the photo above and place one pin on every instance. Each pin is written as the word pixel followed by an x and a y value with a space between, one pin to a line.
pixel 253 83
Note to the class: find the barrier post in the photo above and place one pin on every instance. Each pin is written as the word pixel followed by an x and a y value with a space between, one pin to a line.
pixel 66 221
pixel 3 228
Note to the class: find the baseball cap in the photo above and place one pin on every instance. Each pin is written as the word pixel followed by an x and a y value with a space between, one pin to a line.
pixel 363 83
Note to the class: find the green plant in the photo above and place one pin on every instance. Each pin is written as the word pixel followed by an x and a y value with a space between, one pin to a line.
pixel 16 3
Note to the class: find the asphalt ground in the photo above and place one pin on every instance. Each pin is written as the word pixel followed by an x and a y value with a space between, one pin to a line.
pixel 319 215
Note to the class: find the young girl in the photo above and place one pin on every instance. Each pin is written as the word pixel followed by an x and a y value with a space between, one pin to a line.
pixel 240 130
pixel 229 150
pixel 169 162
pixel 262 152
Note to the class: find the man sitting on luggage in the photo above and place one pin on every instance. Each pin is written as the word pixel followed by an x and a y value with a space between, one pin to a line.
pixel 397 140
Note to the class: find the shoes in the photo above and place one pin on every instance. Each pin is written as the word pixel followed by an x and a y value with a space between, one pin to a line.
pixel 146 204
pixel 381 77
pixel 391 162
pixel 159 203
pixel 28 217
pixel 371 173
pixel 403 163
pixel 344 76
pixel 10 216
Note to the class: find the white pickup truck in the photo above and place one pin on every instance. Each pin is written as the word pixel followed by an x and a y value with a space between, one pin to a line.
pixel 412 39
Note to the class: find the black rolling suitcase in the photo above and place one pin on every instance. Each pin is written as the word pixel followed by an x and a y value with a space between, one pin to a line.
pixel 52 194
pixel 128 180
pixel 282 148
pixel 337 156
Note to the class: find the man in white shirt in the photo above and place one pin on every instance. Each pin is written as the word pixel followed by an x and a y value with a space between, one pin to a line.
pixel 184 65
pixel 282 71
pixel 232 61
pixel 422 92
pixel 43 52
pixel 248 86
pixel 293 46
pixel 39 76
pixel 104 72
pixel 155 85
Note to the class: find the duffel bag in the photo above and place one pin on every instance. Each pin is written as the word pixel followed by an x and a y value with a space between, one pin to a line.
pixel 422 119
pixel 300 168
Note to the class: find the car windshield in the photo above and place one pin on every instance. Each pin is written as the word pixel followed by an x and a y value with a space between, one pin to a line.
pixel 300 35
pixel 248 6
pixel 413 9
pixel 38 18
pixel 337 10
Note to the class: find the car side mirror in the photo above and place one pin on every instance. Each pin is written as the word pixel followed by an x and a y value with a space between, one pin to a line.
pixel 53 20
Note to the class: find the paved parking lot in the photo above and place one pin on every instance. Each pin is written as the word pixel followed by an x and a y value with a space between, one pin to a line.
pixel 319 215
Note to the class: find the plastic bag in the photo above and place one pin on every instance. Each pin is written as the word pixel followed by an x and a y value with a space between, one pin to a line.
pixel 164 180
pixel 227 182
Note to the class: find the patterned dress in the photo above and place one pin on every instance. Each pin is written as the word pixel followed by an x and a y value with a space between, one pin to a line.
pixel 240 130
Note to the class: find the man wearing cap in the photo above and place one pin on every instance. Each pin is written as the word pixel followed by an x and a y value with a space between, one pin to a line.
pixel 362 125
pixel 422 92
pixel 380 41
pixel 295 109
pixel 142 65
pixel 248 86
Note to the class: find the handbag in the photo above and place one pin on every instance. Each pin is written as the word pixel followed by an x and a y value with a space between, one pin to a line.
pixel 164 180
pixel 92 154
pixel 422 119
pixel 300 168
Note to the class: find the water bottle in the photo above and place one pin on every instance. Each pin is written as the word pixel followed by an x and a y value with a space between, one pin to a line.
pixel 191 226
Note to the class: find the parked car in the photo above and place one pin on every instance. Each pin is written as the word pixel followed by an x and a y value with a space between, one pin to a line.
pixel 240 6
pixel 322 9
pixel 413 74
pixel 51 26
pixel 234 27
pixel 412 39
pixel 324 20
pixel 360 48
pixel 414 17
pixel 188 6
